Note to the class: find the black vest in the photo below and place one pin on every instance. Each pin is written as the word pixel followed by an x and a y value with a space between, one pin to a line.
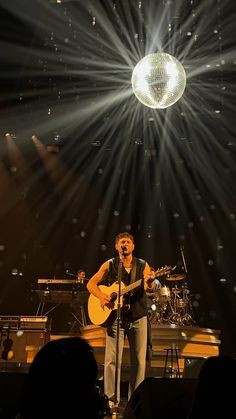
pixel 137 297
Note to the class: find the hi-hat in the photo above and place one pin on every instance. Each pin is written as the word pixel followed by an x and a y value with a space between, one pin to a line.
pixel 175 277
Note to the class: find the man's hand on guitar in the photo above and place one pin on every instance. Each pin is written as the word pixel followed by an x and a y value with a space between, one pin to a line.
pixel 106 301
pixel 149 283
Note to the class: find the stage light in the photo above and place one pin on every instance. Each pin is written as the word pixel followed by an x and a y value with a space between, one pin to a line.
pixel 158 80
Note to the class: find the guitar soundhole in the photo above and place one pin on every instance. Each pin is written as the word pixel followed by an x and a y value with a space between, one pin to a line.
pixel 113 296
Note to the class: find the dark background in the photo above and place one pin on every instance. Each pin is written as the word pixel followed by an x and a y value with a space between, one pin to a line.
pixel 166 176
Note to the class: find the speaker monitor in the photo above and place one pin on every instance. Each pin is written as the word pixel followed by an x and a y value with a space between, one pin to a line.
pixel 192 367
pixel 161 397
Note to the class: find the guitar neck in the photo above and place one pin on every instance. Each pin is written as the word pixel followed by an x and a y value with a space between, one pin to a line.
pixel 135 284
pixel 131 287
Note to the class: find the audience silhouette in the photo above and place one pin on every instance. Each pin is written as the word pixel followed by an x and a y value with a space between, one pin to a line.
pixel 214 395
pixel 61 383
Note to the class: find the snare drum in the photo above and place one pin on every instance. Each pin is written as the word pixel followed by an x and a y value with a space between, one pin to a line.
pixel 162 295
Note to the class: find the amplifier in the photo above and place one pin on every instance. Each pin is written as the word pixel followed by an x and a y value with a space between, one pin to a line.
pixel 20 346
pixel 34 322
pixel 24 322
pixel 21 337
pixel 10 322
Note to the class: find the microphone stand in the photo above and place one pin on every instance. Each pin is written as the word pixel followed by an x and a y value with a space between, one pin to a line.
pixel 188 309
pixel 69 273
pixel 183 259
pixel 118 320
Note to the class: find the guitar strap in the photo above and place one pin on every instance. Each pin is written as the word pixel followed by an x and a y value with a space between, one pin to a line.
pixel 132 279
pixel 133 270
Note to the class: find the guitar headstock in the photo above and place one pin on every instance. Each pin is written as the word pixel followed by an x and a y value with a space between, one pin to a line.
pixel 164 270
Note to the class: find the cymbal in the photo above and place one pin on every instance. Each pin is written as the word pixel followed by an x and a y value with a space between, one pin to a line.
pixel 175 277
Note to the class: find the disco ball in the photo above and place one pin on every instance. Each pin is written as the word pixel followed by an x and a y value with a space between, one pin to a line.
pixel 158 80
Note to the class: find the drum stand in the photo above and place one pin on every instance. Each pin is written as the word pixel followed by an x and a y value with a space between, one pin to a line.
pixel 162 319
pixel 175 317
pixel 174 308
pixel 181 307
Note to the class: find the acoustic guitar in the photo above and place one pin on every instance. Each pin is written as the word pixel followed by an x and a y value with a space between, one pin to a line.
pixel 103 316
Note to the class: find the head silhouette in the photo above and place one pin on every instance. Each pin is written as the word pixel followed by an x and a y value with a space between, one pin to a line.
pixel 61 381
pixel 214 393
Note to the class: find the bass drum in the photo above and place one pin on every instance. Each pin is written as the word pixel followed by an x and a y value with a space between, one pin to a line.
pixel 162 295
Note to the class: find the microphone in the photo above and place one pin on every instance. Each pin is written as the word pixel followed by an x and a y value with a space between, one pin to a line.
pixel 124 249
pixel 69 273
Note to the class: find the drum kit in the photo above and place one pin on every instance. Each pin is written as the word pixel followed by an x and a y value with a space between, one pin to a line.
pixel 171 303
